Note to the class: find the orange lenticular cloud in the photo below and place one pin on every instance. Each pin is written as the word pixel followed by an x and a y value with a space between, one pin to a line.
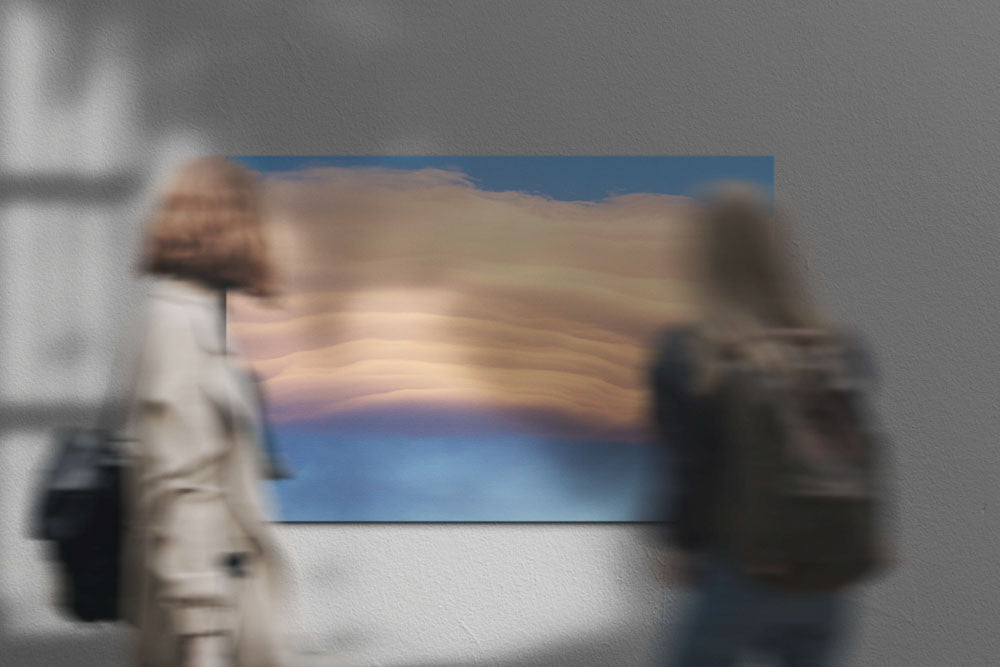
pixel 415 290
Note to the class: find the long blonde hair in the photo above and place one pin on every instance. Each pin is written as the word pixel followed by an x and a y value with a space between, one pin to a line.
pixel 749 285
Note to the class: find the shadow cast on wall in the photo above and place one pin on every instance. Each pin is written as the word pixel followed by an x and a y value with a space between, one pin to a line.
pixel 238 78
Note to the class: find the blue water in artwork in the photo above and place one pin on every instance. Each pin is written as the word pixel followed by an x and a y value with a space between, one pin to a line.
pixel 386 477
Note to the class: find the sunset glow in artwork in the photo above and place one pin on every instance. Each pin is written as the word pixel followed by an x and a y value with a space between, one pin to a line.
pixel 467 338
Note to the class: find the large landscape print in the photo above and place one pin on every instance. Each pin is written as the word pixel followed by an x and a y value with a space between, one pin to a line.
pixel 467 338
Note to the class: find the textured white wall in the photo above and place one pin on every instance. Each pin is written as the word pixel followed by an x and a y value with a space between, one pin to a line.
pixel 882 119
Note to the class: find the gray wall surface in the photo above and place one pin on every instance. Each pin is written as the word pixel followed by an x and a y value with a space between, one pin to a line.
pixel 882 117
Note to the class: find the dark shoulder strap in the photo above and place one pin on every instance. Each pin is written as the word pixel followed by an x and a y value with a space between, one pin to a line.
pixel 673 373
pixel 274 466
pixel 676 351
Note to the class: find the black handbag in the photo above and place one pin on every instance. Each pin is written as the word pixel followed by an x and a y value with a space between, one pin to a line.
pixel 81 515
pixel 80 510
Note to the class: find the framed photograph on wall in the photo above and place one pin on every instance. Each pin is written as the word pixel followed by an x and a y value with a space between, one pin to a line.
pixel 467 338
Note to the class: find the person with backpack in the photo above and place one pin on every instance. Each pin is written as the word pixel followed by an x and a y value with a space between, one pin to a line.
pixel 776 464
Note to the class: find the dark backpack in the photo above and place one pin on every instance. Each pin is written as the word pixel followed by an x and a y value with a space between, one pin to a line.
pixel 798 486
pixel 81 515
pixel 80 510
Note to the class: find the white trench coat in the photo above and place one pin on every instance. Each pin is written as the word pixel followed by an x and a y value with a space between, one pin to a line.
pixel 194 496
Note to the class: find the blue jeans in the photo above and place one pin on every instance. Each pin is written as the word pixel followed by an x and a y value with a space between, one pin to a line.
pixel 733 616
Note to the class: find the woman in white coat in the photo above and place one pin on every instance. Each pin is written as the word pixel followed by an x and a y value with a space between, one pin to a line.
pixel 202 572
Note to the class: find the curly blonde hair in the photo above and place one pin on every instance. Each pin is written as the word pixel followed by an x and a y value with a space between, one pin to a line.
pixel 208 228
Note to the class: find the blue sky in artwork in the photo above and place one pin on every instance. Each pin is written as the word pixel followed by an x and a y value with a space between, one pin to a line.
pixel 567 178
